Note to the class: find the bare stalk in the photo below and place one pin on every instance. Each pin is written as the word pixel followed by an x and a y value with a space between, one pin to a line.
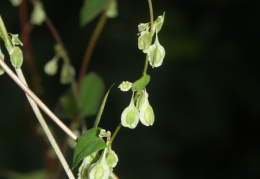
pixel 25 88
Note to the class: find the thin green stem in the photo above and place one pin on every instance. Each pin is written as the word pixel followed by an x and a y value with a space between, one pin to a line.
pixel 151 11
pixel 115 133
pixel 151 35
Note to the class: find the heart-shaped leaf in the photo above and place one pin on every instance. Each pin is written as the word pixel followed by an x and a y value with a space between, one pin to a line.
pixel 91 94
pixel 141 83
pixel 88 143
pixel 91 9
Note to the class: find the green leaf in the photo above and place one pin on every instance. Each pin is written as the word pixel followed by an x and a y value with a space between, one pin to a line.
pixel 91 9
pixel 88 144
pixel 141 83
pixel 102 107
pixel 68 105
pixel 91 94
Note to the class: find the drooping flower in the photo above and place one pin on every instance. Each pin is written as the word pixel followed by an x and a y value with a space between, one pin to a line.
pixel 156 53
pixel 100 170
pixel 130 116
pixel 146 111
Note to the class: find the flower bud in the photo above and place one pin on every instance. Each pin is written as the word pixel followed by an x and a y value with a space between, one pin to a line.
pixel 130 116
pixel 156 53
pixel 112 10
pixel 146 112
pixel 125 86
pixel 67 73
pixel 38 14
pixel 143 41
pixel 51 67
pixel 15 2
pixel 100 170
pixel 15 40
pixel 16 57
pixel 111 159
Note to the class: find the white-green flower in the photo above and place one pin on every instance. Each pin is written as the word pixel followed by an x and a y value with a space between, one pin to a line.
pixel 143 41
pixel 112 159
pixel 51 67
pixel 86 164
pixel 143 27
pixel 38 14
pixel 130 116
pixel 156 53
pixel 125 86
pixel 16 56
pixel 112 11
pixel 146 112
pixel 100 170
pixel 15 2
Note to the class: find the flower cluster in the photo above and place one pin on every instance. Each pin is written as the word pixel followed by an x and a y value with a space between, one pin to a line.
pixel 139 109
pixel 99 167
pixel 155 52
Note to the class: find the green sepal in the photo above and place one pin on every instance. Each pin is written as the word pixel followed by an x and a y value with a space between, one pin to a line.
pixel 141 83
pixel 88 143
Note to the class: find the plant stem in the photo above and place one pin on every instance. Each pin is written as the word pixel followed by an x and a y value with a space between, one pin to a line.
pixel 38 101
pixel 90 48
pixel 46 129
pixel 115 133
pixel 151 34
pixel 151 11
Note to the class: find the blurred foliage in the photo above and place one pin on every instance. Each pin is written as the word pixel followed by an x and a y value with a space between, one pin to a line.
pixel 205 96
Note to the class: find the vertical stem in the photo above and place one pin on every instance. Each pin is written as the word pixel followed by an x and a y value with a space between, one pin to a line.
pixel 39 117
pixel 151 34
pixel 90 48
pixel 151 11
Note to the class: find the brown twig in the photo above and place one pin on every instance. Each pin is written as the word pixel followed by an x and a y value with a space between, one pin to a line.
pixel 90 48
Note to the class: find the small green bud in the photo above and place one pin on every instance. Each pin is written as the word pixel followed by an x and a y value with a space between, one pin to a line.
pixel 146 112
pixel 111 159
pixel 112 11
pixel 38 14
pixel 130 116
pixel 51 67
pixel 143 27
pixel 15 2
pixel 16 56
pixel 15 40
pixel 86 164
pixel 156 53
pixel 102 133
pixel 125 86
pixel 67 73
pixel 100 170
pixel 159 22
pixel 143 41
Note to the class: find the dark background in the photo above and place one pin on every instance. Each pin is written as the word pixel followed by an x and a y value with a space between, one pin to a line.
pixel 205 95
